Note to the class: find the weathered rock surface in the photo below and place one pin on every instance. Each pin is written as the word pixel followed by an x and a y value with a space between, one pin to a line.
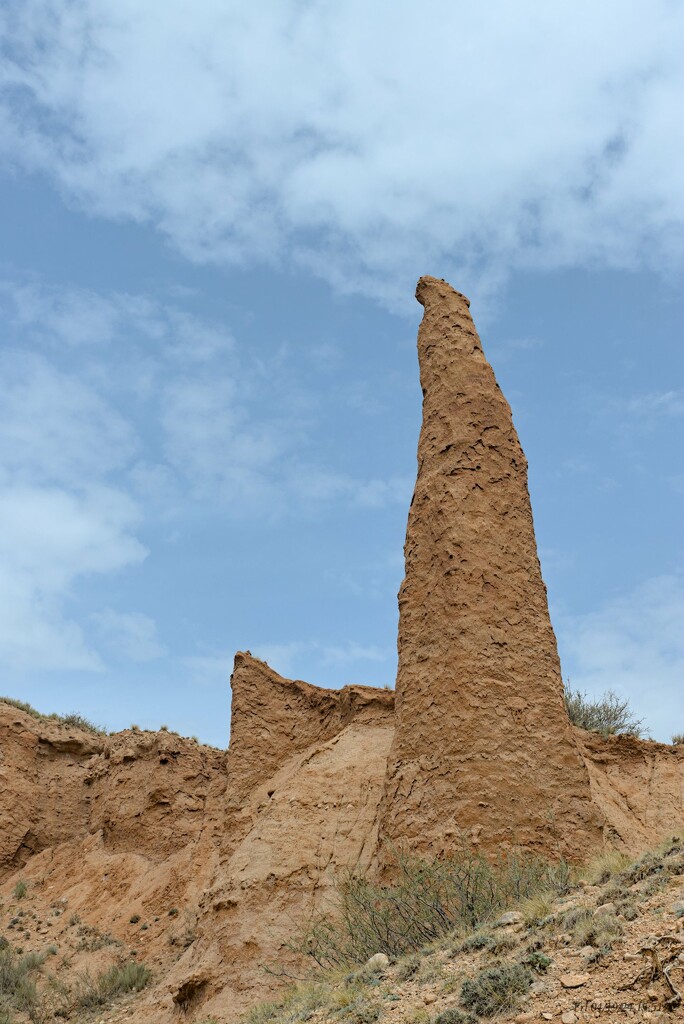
pixel 144 792
pixel 638 786
pixel 483 747
pixel 153 829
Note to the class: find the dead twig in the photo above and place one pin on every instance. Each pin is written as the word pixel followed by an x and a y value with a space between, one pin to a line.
pixel 662 954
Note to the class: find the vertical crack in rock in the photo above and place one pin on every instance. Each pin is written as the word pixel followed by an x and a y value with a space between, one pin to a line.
pixel 483 747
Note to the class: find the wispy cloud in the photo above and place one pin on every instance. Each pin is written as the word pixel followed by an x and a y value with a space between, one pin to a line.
pixel 118 408
pixel 311 660
pixel 359 140
pixel 288 658
pixel 633 644
pixel 129 636
pixel 656 404
pixel 48 538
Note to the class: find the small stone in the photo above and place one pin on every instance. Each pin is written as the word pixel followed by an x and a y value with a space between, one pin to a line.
pixel 677 909
pixel 547 1016
pixel 574 980
pixel 378 962
pixel 429 997
pixel 512 917
pixel 537 987
pixel 569 1017
pixel 605 910
pixel 587 951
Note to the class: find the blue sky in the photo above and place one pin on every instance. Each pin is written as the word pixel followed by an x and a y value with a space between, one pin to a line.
pixel 211 224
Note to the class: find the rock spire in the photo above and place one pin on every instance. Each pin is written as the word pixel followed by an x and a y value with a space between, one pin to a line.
pixel 483 747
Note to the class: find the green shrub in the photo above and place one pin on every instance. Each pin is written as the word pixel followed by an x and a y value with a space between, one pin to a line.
pixel 650 864
pixel 454 1016
pixel 426 900
pixel 678 739
pixel 539 962
pixel 479 940
pixel 496 989
pixel 298 1004
pixel 607 715
pixel 117 981
pixel 408 968
pixel 17 983
pixel 20 890
pixel 591 929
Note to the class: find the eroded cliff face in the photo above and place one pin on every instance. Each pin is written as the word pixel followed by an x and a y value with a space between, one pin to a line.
pixel 483 747
pixel 142 792
pixel 221 857
pixel 204 864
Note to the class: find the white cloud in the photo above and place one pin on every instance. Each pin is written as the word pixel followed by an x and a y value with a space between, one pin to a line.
pixel 512 348
pixel 129 635
pixel 287 658
pixel 363 141
pixel 633 644
pixel 62 516
pixel 657 404
pixel 53 427
pixel 118 405
pixel 213 438
pixel 310 660
pixel 48 538
pixel 209 669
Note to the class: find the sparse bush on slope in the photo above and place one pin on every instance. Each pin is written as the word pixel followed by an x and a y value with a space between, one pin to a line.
pixel 426 900
pixel 117 981
pixel 496 989
pixel 607 715
pixel 499 967
pixel 17 982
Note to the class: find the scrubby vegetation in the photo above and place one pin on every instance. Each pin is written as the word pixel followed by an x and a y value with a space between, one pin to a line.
pixel 117 981
pixel 608 714
pixel 678 739
pixel 20 890
pixel 26 988
pixel 72 720
pixel 427 900
pixel 18 982
pixel 441 927
pixel 495 989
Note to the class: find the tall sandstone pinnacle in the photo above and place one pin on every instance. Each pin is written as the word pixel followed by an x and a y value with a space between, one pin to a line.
pixel 483 748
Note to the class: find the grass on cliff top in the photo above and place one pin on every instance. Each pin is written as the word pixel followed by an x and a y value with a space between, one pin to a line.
pixel 73 720
pixel 77 721
pixel 457 901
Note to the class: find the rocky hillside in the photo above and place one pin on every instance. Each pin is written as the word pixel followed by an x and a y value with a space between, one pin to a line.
pixel 610 949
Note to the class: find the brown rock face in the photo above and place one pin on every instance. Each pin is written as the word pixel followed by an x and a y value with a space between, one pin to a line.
pixel 483 746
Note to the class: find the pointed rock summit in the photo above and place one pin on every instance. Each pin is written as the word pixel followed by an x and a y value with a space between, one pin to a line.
pixel 483 747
